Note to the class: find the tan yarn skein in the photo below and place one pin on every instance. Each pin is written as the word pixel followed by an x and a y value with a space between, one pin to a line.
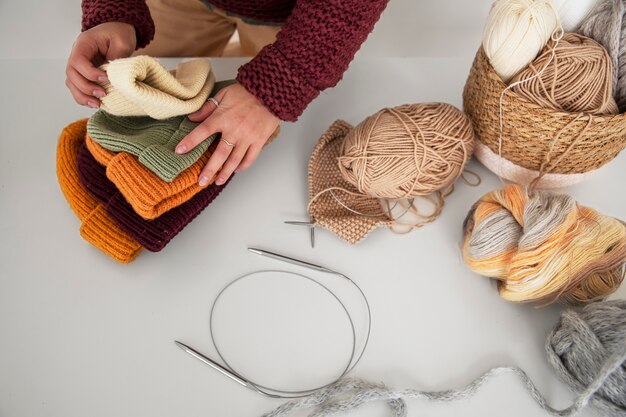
pixel 577 78
pixel 407 151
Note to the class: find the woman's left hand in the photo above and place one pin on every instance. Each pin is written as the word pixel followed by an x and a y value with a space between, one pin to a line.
pixel 245 125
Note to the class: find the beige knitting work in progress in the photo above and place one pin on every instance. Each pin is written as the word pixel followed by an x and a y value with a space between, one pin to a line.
pixel 141 86
pixel 357 175
pixel 543 247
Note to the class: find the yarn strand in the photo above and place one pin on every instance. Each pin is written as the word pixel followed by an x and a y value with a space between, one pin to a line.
pixel 363 392
pixel 586 336
pixel 557 35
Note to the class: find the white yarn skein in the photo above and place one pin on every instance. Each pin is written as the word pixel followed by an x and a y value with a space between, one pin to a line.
pixel 573 12
pixel 516 31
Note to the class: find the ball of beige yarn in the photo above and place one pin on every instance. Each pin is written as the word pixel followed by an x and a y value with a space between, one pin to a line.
pixel 407 151
pixel 607 25
pixel 575 76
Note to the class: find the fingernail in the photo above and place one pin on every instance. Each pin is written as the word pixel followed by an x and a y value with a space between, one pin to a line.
pixel 204 180
pixel 181 149
pixel 237 171
pixel 92 104
pixel 98 93
pixel 220 181
pixel 103 79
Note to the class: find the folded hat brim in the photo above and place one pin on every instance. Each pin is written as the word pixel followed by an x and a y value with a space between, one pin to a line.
pixel 97 228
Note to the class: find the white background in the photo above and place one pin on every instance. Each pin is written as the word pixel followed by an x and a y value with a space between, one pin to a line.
pixel 83 336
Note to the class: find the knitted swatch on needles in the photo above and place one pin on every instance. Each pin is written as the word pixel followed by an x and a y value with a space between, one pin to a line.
pixel 97 227
pixel 325 210
pixel 141 86
pixel 400 153
pixel 155 234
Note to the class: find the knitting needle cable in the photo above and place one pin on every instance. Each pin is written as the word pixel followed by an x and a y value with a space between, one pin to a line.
pixel 227 370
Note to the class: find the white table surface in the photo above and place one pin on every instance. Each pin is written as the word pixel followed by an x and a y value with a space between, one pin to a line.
pixel 82 335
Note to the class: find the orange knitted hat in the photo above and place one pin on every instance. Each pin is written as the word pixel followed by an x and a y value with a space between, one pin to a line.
pixel 148 194
pixel 96 228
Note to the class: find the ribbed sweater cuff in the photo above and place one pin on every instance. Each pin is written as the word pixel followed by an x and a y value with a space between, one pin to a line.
pixel 277 84
pixel 133 12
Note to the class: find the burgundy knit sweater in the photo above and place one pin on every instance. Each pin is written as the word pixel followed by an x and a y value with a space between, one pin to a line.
pixel 312 51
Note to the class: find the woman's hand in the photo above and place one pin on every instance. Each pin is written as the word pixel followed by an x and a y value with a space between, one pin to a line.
pixel 245 125
pixel 93 48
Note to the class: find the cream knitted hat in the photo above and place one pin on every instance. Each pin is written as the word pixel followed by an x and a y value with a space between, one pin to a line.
pixel 141 86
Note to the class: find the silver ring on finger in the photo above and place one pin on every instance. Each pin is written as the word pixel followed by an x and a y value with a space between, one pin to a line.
pixel 227 143
pixel 214 101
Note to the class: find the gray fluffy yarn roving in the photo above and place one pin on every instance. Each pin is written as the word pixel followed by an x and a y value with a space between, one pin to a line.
pixel 582 342
pixel 606 24
pixel 587 350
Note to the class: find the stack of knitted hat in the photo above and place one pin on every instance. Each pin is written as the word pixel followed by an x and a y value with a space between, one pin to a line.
pixel 118 170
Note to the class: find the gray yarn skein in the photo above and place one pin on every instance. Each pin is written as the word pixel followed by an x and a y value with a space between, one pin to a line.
pixel 592 342
pixel 606 24
pixel 582 342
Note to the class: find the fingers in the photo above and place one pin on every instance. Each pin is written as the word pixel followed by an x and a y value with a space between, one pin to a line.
pixel 81 60
pixel 251 155
pixel 81 74
pixel 85 86
pixel 80 97
pixel 197 135
pixel 224 158
pixel 231 164
pixel 203 112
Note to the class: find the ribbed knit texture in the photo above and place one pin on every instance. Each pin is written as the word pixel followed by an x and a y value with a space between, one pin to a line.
pixel 149 196
pixel 97 228
pixel 152 141
pixel 141 86
pixel 155 234
pixel 311 53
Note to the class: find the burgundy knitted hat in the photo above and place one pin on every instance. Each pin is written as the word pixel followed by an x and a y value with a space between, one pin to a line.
pixel 155 234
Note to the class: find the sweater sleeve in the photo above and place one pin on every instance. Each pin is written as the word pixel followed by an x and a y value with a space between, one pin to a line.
pixel 134 12
pixel 311 53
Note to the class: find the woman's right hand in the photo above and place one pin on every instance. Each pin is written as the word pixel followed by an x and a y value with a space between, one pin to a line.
pixel 93 48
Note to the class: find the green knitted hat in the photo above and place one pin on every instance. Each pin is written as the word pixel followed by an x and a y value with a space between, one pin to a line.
pixel 152 141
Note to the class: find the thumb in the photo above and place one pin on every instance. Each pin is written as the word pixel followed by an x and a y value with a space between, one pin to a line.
pixel 121 45
pixel 119 49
